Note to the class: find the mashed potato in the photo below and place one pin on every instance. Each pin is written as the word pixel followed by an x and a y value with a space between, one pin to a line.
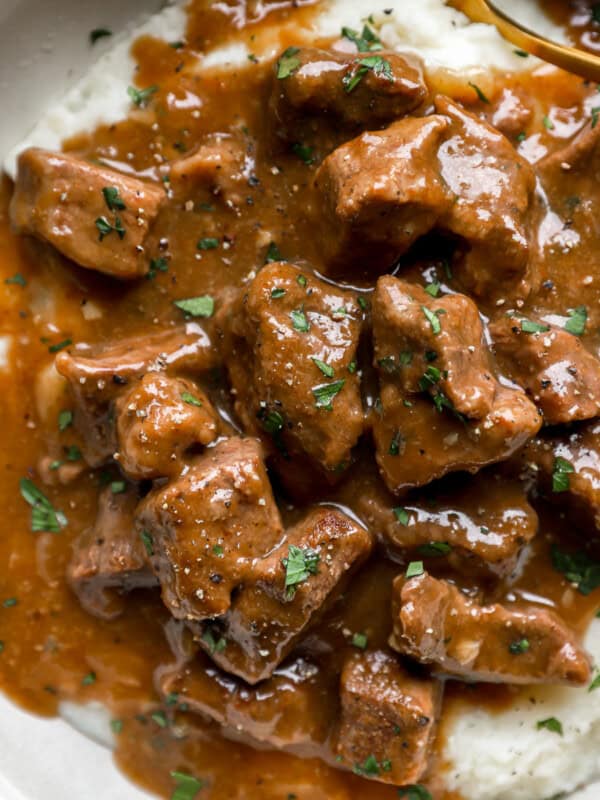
pixel 501 756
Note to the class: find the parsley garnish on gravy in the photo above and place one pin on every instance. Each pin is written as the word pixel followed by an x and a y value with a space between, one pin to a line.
pixel 299 564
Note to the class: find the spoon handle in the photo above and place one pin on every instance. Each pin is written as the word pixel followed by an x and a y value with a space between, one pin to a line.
pixel 571 59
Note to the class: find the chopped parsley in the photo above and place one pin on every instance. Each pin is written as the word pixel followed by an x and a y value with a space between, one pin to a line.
pixel 270 420
pixel 360 640
pixel 300 564
pixel 190 399
pixel 300 321
pixel 203 306
pixel 208 243
pixel 577 321
pixel 157 265
pixel 595 684
pixel 433 288
pixel 578 568
pixel 479 93
pixel 394 448
pixel 561 471
pixel 402 515
pixel 518 647
pixel 370 767
pixel 406 358
pixel 116 725
pixel 105 228
pixel 218 550
pixel 433 319
pixel 186 786
pixel 216 644
pixel 16 280
pixel 118 487
pixel 44 517
pixel 148 542
pixel 89 679
pixel 10 602
pixel 277 293
pixel 431 377
pixel 521 53
pixel 595 115
pixel 301 281
pixel 56 348
pixel 367 41
pixel 99 33
pixel 288 63
pixel 434 549
pixel 65 420
pixel 160 718
pixel 140 97
pixel 273 254
pixel 548 124
pixel 551 724
pixel 529 326
pixel 378 65
pixel 74 453
pixel 352 366
pixel 326 392
pixel 114 201
pixel 414 569
pixel 414 792
pixel 326 369
pixel 304 153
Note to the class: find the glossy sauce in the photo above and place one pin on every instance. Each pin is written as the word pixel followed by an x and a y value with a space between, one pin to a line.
pixel 51 647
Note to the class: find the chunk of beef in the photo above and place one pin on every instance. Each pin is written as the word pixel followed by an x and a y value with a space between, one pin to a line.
pixel 513 113
pixel 417 443
pixel 388 719
pixel 381 192
pixel 158 420
pixel 290 345
pixel 277 605
pixel 476 524
pixel 96 380
pixel 95 216
pixel 109 559
pixel 208 526
pixel 289 711
pixel 340 87
pixel 436 623
pixel 493 189
pixel 415 333
pixel 441 409
pixel 567 470
pixel 221 164
pixel 554 368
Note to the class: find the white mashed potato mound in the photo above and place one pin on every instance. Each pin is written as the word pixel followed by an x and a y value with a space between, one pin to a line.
pixel 492 756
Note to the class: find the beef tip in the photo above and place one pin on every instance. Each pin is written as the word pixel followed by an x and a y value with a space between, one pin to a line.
pixel 110 558
pixel 566 468
pixel 435 623
pixel 158 420
pixel 388 719
pixel 221 164
pixel 96 380
pixel 208 526
pixel 381 192
pixel 289 711
pixel 441 409
pixel 95 216
pixel 417 443
pixel 332 85
pixel 280 603
pixel 477 525
pixel 493 188
pixel 413 331
pixel 554 368
pixel 290 344
pixel 512 115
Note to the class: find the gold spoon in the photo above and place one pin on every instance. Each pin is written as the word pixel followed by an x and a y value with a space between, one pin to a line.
pixel 569 58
